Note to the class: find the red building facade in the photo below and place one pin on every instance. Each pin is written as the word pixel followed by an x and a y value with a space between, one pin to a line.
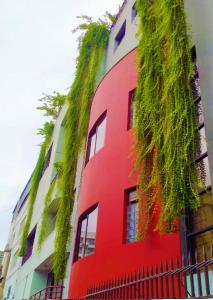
pixel 106 186
pixel 105 241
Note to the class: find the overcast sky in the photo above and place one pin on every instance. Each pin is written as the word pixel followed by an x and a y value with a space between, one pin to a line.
pixel 37 55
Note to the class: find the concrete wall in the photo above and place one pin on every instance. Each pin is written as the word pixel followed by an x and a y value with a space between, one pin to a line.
pixel 129 41
pixel 31 277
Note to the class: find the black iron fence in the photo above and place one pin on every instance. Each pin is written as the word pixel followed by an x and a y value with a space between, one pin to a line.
pixel 170 280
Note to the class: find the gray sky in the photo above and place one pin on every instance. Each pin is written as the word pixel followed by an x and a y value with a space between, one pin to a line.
pixel 37 55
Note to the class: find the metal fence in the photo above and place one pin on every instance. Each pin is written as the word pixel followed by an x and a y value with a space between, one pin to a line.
pixel 171 280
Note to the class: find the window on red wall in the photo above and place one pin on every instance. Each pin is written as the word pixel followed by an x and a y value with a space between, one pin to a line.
pixel 86 234
pixel 131 216
pixel 96 137
pixel 131 114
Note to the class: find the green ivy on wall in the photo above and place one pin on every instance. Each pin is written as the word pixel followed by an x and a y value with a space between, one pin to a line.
pixel 91 55
pixel 51 105
pixel 166 137
pixel 44 218
pixel 165 127
pixel 46 131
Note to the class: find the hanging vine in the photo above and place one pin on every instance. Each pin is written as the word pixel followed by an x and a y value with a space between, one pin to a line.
pixel 91 54
pixel 46 131
pixel 51 105
pixel 44 219
pixel 166 135
pixel 166 138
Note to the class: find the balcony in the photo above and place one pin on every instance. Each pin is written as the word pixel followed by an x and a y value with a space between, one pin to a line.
pixel 50 292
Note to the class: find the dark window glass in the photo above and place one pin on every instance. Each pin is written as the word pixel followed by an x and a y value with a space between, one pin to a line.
pixel 29 246
pixel 132 216
pixel 131 116
pixel 48 157
pixel 85 243
pixel 134 12
pixel 119 37
pixel 47 160
pixel 96 138
pixel 100 135
pixel 9 292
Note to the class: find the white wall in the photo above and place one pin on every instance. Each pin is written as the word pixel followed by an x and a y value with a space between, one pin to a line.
pixel 129 41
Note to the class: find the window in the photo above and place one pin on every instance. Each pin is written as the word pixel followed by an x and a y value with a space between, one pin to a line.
pixel 119 37
pixel 9 292
pixel 131 113
pixel 96 138
pixel 199 221
pixel 132 216
pixel 29 246
pixel 47 161
pixel 134 12
pixel 86 236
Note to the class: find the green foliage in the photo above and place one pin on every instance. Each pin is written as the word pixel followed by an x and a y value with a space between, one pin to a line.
pixel 59 168
pixel 44 218
pixel 52 104
pixel 107 20
pixel 92 47
pixel 165 114
pixel 46 131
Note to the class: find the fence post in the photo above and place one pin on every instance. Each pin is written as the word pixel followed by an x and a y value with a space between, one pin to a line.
pixel 151 283
pixel 167 280
pixel 156 281
pixel 172 278
pixel 161 280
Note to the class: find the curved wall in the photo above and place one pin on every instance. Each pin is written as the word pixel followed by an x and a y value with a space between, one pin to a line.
pixel 105 179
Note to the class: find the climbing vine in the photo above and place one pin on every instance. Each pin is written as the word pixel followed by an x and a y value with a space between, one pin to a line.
pixel 165 127
pixel 91 54
pixel 44 218
pixel 165 124
pixel 46 131
pixel 51 105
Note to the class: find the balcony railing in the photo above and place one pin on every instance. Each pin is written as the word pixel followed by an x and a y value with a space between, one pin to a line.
pixel 50 292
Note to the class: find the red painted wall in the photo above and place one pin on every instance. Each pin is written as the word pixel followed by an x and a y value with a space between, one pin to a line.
pixel 105 179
